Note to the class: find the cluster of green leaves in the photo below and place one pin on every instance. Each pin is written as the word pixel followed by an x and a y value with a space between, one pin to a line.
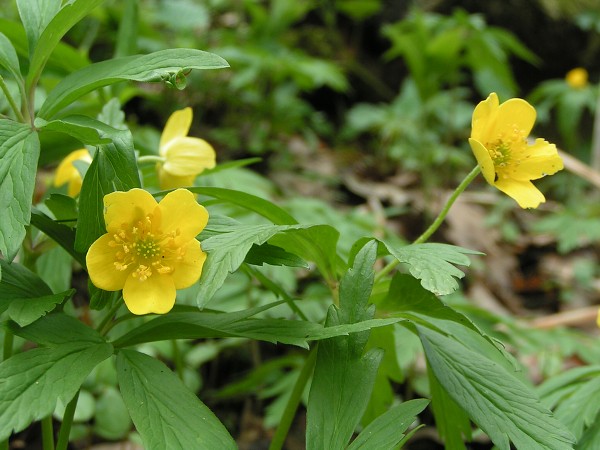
pixel 350 351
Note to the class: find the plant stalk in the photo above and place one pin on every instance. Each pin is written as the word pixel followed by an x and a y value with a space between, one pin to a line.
pixel 437 222
pixel 292 405
pixel 47 433
pixel 11 100
pixel 65 428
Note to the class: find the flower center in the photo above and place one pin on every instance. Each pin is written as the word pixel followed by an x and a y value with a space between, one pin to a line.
pixel 506 151
pixel 144 250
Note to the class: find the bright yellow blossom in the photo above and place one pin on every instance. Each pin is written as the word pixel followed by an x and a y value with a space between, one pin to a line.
pixel 577 78
pixel 149 249
pixel 66 172
pixel 507 161
pixel 184 157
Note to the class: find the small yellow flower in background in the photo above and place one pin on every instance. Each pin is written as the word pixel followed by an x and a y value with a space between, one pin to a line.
pixel 66 172
pixel 184 157
pixel 150 249
pixel 507 161
pixel 577 78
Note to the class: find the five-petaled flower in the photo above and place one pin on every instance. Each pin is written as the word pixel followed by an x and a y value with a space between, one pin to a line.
pixel 184 157
pixel 577 78
pixel 66 172
pixel 150 249
pixel 507 161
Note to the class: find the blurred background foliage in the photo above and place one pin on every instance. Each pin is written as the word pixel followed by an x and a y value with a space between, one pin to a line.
pixel 359 111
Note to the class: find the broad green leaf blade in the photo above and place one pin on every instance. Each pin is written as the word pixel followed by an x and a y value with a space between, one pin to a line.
pixel 62 22
pixel 33 381
pixel 60 233
pixel 19 152
pixel 580 409
pixel 113 168
pixel 274 256
pixel 157 66
pixel 36 15
pixel 433 264
pixel 165 413
pixel 8 57
pixel 20 282
pixel 388 429
pixel 57 329
pixel 82 128
pixel 344 376
pixel 500 403
pixel 24 311
pixel 590 440
pixel 265 208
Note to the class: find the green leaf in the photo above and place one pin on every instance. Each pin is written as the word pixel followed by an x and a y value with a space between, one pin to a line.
pixel 388 429
pixel 19 152
pixel 36 15
pixel 274 256
pixel 227 251
pixel 8 57
pixel 33 381
pixel 497 401
pixel 55 330
pixel 344 377
pixel 581 408
pixel 164 411
pixel 156 66
pixel 432 264
pixel 61 234
pixel 251 202
pixel 27 310
pixel 113 168
pixel 20 282
pixel 82 128
pixel 62 22
pixel 590 440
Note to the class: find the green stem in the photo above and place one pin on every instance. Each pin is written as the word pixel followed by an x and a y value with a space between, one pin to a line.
pixel 103 327
pixel 292 405
pixel 47 433
pixel 11 100
pixel 150 159
pixel 438 220
pixel 65 428
pixel 177 359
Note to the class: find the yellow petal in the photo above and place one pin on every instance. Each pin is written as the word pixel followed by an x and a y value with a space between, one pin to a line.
pixel 484 160
pixel 541 159
pixel 514 112
pixel 156 294
pixel 188 270
pixel 66 172
pixel 484 117
pixel 524 192
pixel 177 125
pixel 188 156
pixel 598 318
pixel 168 181
pixel 126 207
pixel 180 211
pixel 100 260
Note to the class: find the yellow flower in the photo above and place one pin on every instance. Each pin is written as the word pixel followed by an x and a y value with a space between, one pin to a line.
pixel 184 157
pixel 66 172
pixel 149 249
pixel 507 161
pixel 577 78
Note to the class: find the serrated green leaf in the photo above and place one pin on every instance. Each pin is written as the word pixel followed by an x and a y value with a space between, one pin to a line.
pixel 113 168
pixel 165 413
pixel 27 310
pixel 497 401
pixel 61 22
pixel 590 440
pixel 8 57
pixel 433 264
pixel 388 429
pixel 19 152
pixel 33 381
pixel 581 408
pixel 153 67
pixel 35 16
pixel 265 208
pixel 61 234
pixel 553 390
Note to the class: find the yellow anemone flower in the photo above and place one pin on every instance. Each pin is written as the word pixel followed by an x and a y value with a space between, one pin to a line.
pixel 66 172
pixel 577 78
pixel 149 249
pixel 184 157
pixel 507 161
